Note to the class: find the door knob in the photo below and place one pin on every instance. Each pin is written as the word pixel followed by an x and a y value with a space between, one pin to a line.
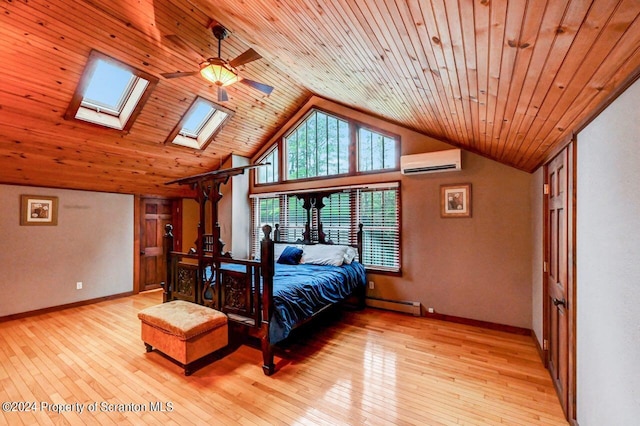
pixel 558 302
pixel 142 252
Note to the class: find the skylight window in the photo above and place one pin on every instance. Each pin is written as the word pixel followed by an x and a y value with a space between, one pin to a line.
pixel 196 118
pixel 110 93
pixel 109 88
pixel 202 121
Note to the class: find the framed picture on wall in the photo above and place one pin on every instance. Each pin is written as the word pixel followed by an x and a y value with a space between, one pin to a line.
pixel 455 200
pixel 38 210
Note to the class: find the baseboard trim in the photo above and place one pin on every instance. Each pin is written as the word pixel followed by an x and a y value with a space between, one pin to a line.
pixel 61 307
pixel 412 308
pixel 483 324
pixel 541 351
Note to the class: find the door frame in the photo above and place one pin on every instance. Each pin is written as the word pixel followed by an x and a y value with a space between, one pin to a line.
pixel 570 408
pixel 176 212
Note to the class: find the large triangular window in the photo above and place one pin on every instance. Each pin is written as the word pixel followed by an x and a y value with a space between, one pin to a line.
pixel 323 145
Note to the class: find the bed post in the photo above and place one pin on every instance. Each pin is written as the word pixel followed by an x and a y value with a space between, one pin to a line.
pixel 359 241
pixel 276 234
pixel 168 248
pixel 267 268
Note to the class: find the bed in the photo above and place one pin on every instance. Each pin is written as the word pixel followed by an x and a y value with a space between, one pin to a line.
pixel 264 298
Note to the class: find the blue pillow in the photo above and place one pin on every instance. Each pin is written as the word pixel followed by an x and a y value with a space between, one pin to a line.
pixel 290 256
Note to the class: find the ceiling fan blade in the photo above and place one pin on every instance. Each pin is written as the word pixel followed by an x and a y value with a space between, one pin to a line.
pixel 264 88
pixel 244 58
pixel 179 74
pixel 222 94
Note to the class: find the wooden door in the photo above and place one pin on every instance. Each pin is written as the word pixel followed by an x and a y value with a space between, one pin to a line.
pixel 155 213
pixel 559 304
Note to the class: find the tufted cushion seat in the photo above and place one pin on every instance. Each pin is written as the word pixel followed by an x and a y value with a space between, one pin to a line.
pixel 183 330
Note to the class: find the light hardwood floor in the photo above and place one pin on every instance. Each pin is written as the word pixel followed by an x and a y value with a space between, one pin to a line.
pixel 371 367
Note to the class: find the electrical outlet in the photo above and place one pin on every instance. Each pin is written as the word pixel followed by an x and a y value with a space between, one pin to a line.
pixel 371 285
pixel 431 310
pixel 79 285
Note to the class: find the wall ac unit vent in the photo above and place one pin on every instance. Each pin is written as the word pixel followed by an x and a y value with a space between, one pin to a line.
pixel 431 162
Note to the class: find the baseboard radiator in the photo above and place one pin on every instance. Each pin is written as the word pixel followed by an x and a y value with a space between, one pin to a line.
pixel 412 308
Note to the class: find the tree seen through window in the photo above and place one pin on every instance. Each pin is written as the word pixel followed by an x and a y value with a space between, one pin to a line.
pixel 318 146
pixel 375 151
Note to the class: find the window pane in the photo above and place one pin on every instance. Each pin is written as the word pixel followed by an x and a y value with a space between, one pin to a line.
pixel 389 153
pixel 312 169
pixel 269 168
pixel 302 152
pixel 375 151
pixel 292 156
pixel 196 118
pixel 322 148
pixel 319 146
pixel 344 146
pixel 332 134
pixel 268 173
pixel 275 165
pixel 109 86
pixel 364 154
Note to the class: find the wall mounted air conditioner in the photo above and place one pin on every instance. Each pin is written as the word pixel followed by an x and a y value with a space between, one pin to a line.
pixel 430 162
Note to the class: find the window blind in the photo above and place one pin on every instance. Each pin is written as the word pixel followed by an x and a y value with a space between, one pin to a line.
pixel 379 212
pixel 294 219
pixel 376 207
pixel 337 218
pixel 265 211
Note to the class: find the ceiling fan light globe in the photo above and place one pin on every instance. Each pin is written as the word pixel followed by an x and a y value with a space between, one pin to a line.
pixel 216 71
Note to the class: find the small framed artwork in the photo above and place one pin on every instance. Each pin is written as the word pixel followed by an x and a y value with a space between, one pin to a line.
pixel 455 200
pixel 38 210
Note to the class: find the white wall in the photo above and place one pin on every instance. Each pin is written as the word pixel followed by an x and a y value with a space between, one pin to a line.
pixel 241 211
pixel 608 265
pixel 537 253
pixel 234 211
pixel 92 243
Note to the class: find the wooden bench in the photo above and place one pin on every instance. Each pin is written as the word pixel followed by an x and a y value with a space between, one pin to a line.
pixel 184 331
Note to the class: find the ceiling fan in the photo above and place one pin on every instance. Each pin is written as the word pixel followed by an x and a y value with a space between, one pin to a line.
pixel 222 73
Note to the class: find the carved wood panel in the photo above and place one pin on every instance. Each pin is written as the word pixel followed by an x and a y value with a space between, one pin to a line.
pixel 186 281
pixel 236 288
pixel 210 296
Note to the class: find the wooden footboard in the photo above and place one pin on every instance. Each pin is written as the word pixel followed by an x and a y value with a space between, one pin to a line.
pixel 232 286
pixel 242 289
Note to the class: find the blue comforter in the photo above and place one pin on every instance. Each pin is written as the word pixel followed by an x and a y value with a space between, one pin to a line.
pixel 299 291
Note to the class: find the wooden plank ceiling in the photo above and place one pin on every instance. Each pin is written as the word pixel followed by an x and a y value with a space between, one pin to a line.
pixel 511 80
